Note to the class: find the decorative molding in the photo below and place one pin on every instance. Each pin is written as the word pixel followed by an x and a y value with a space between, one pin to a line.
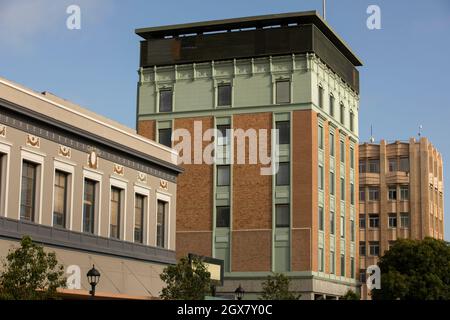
pixel 2 131
pixel 65 151
pixel 118 169
pixel 142 177
pixel 163 184
pixel 92 160
pixel 33 141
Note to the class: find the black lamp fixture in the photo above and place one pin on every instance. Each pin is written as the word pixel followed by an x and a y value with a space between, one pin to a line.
pixel 93 278
pixel 239 292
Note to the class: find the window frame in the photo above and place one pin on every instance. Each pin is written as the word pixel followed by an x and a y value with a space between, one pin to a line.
pixel 228 226
pixel 161 91
pixel 97 177
pixel 284 225
pixel 36 158
pixel 219 182
pixel 278 100
pixel 229 95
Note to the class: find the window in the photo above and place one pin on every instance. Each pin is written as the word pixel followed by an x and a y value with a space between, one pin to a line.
pixel 404 164
pixel 374 194
pixel 332 184
pixel 320 98
pixel 352 230
pixel 374 221
pixel 342 151
pixel 342 113
pixel 161 224
pixel 352 158
pixel 331 105
pixel 392 164
pixel 28 192
pixel 222 217
pixel 342 265
pixel 284 132
pixel 374 166
pixel 165 137
pixel 283 94
pixel 404 220
pixel 282 216
pixel 282 177
pixel 321 226
pixel 224 95
pixel 392 193
pixel 320 178
pixel 89 205
pixel 362 194
pixel 332 223
pixel 352 267
pixel 332 262
pixel 362 248
pixel 374 248
pixel 60 199
pixel 139 212
pixel 165 100
pixel 352 194
pixel 342 189
pixel 362 221
pixel 342 227
pixel 352 124
pixel 362 166
pixel 392 221
pixel 114 225
pixel 320 137
pixel 321 260
pixel 223 138
pixel 3 158
pixel 362 275
pixel 331 138
pixel 223 176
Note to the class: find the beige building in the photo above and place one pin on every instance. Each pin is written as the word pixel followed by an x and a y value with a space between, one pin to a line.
pixel 87 188
pixel 400 196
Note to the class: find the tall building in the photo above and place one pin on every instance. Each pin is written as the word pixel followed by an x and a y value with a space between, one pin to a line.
pixel 89 189
pixel 289 72
pixel 401 191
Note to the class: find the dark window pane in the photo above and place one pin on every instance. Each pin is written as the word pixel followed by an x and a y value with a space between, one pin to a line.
pixel 331 138
pixel 223 217
pixel 283 174
pixel 115 213
pixel 28 192
pixel 331 106
pixel 223 132
pixel 321 222
pixel 165 137
pixel 139 211
pixel 342 114
pixel 362 221
pixel 89 205
pixel 283 92
pixel 161 224
pixel 320 97
pixel 223 175
pixel 284 132
pixel 404 164
pixel 282 216
pixel 165 100
pixel 60 199
pixel 224 95
pixel 352 124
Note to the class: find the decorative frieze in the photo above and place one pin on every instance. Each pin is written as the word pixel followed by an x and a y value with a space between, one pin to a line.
pixel 118 169
pixel 163 184
pixel 142 177
pixel 33 141
pixel 65 151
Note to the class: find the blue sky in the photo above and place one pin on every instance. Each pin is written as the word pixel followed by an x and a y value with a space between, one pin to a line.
pixel 404 82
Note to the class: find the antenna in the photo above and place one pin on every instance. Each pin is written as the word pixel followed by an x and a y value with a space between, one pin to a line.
pixel 324 8
pixel 420 130
pixel 372 139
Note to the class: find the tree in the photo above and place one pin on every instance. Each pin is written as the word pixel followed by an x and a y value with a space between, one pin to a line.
pixel 187 280
pixel 30 273
pixel 415 270
pixel 350 295
pixel 276 287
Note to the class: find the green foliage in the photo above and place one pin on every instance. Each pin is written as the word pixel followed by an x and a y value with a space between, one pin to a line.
pixel 186 281
pixel 415 270
pixel 276 287
pixel 30 273
pixel 350 295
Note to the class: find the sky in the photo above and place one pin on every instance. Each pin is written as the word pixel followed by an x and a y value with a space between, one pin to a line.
pixel 404 81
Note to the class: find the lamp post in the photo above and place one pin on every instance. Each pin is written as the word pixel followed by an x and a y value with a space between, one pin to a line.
pixel 239 293
pixel 93 278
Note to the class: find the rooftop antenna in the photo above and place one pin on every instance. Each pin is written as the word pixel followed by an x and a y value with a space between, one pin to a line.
pixel 372 139
pixel 420 130
pixel 324 8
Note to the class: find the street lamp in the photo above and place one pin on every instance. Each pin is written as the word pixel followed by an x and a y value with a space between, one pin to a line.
pixel 93 278
pixel 239 292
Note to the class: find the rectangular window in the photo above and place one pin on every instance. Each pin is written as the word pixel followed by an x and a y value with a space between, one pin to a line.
pixel 342 189
pixel 362 194
pixel 165 137
pixel 2 183
pixel 332 262
pixel 320 178
pixel 161 224
pixel 283 94
pixel 392 193
pixel 352 158
pixel 374 248
pixel 139 213
pixel 374 221
pixel 362 248
pixel 352 267
pixel 282 216
pixel 223 176
pixel 342 113
pixel 362 275
pixel 362 166
pixel 60 199
pixel 114 226
pixel 284 132
pixel 342 227
pixel 165 100
pixel 374 166
pixel 404 164
pixel 223 137
pixel 374 194
pixel 352 230
pixel 224 95
pixel 320 98
pixel 331 138
pixel 222 217
pixel 362 221
pixel 352 194
pixel 404 220
pixel 283 174
pixel 28 192
pixel 321 260
pixel 331 105
pixel 392 164
pixel 352 119
pixel 342 265
pixel 320 133
pixel 392 221
pixel 332 223
pixel 89 205
pixel 321 222
pixel 404 192
pixel 342 151
pixel 332 184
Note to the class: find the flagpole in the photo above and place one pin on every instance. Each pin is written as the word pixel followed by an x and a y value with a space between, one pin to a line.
pixel 324 7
